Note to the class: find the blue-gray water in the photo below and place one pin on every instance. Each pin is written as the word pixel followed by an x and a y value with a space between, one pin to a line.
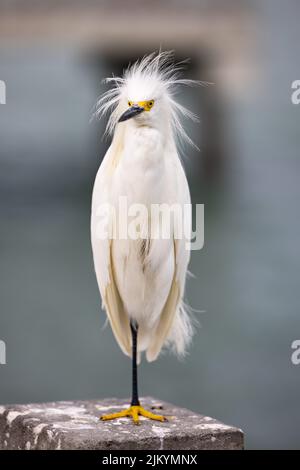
pixel 247 276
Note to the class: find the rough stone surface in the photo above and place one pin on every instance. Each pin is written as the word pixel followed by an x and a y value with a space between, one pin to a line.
pixel 76 425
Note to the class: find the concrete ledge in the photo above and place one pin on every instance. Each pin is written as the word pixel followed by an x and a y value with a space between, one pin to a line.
pixel 76 425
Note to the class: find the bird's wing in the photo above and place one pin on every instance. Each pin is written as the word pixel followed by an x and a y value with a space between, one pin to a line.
pixel 103 260
pixel 115 310
pixel 181 260
pixel 166 319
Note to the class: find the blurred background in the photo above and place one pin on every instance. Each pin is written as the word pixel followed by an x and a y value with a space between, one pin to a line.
pixel 53 56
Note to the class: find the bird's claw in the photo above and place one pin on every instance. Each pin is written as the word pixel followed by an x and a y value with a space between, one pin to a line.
pixel 134 412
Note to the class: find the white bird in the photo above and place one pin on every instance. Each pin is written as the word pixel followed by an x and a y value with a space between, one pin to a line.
pixel 142 280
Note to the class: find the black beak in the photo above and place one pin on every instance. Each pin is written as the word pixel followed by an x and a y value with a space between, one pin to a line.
pixel 131 112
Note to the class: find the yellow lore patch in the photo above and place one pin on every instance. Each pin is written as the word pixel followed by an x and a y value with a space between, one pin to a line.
pixel 147 105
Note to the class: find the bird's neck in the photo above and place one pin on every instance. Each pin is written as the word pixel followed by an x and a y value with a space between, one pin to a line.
pixel 144 145
pixel 149 137
pixel 141 146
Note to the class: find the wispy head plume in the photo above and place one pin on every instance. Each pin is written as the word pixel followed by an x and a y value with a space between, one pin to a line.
pixel 156 71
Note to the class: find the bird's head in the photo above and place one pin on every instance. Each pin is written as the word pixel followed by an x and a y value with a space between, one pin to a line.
pixel 144 96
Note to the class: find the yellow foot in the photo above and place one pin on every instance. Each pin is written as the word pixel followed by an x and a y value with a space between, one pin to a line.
pixel 134 412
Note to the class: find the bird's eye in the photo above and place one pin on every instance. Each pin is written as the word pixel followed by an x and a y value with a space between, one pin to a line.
pixel 129 103
pixel 151 103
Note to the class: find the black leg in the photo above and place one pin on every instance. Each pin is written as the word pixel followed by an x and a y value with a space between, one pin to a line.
pixel 135 396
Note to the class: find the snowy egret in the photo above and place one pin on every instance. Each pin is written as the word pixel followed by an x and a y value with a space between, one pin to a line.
pixel 142 279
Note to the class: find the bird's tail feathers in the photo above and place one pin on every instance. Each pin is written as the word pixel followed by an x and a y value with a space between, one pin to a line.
pixel 182 331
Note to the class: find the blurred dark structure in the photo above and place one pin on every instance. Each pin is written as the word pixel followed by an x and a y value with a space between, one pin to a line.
pixel 115 33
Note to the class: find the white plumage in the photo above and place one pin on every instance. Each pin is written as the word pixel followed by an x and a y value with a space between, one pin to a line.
pixel 144 279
